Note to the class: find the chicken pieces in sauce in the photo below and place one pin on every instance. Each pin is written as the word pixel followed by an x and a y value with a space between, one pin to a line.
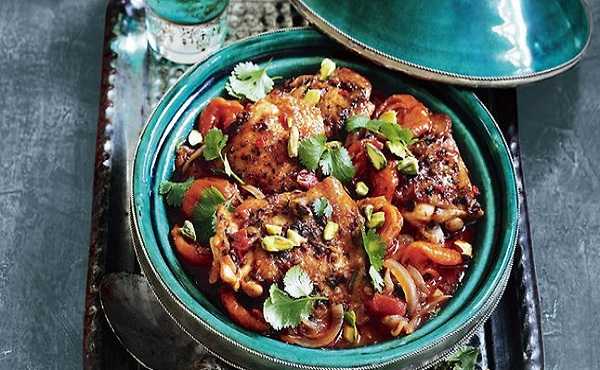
pixel 258 149
pixel 420 221
pixel 344 94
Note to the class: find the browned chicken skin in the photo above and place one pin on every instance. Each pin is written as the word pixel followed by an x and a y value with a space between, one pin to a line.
pixel 330 264
pixel 443 180
pixel 344 94
pixel 257 150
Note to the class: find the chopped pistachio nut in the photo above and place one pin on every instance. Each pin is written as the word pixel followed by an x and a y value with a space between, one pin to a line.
pixel 293 142
pixel 350 332
pixel 377 219
pixel 273 229
pixel 368 210
pixel 194 138
pixel 350 335
pixel 188 230
pixel 409 166
pixel 398 148
pixel 437 293
pixel 330 230
pixel 327 68
pixel 376 156
pixel 295 237
pixel 361 189
pixel 465 247
pixel 312 97
pixel 279 220
pixel 389 116
pixel 276 243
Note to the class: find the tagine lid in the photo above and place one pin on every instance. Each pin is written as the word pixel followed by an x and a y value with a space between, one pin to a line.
pixel 493 43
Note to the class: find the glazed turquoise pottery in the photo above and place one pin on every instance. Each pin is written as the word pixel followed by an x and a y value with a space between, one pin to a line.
pixel 188 11
pixel 476 43
pixel 289 53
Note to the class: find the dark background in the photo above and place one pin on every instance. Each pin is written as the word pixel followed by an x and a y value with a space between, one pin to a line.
pixel 50 54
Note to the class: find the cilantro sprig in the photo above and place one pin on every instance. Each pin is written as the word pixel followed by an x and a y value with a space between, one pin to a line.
pixel 282 311
pixel 463 359
pixel 174 192
pixel 214 143
pixel 249 81
pixel 398 140
pixel 332 158
pixel 204 215
pixel 297 283
pixel 375 248
pixel 322 208
pixel 390 131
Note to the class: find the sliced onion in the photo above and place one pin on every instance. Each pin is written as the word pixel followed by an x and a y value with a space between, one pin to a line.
pixel 254 191
pixel 412 324
pixel 388 283
pixel 431 306
pixel 396 323
pixel 418 278
pixel 327 336
pixel 407 283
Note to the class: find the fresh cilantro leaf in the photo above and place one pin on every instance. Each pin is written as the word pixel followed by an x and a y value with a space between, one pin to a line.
pixel 376 278
pixel 463 359
pixel 391 131
pixel 310 151
pixel 321 207
pixel 214 142
pixel 332 158
pixel 174 191
pixel 337 162
pixel 356 122
pixel 297 283
pixel 394 132
pixel 249 81
pixel 281 311
pixel 204 216
pixel 375 248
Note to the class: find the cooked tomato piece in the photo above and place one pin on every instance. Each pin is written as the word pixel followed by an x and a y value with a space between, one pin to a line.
pixel 419 252
pixel 384 305
pixel 190 253
pixel 385 182
pixel 219 113
pixel 194 193
pixel 250 320
pixel 241 243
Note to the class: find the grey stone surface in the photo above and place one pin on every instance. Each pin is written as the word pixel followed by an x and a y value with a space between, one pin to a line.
pixel 50 54
pixel 560 140
pixel 49 78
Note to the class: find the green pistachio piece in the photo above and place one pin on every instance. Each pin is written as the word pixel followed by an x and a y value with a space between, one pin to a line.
pixel 376 156
pixel 276 243
pixel 330 230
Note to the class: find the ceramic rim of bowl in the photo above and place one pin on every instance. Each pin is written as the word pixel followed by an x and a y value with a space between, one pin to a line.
pixel 196 320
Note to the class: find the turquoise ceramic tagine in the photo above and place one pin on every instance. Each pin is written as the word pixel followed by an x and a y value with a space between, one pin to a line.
pixel 290 53
pixel 477 43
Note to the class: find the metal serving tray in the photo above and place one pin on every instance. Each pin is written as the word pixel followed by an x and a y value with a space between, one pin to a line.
pixel 134 79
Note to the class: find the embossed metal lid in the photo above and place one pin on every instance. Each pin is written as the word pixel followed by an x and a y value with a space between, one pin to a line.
pixel 495 43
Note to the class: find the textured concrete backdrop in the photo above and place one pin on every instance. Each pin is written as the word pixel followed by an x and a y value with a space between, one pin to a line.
pixel 49 78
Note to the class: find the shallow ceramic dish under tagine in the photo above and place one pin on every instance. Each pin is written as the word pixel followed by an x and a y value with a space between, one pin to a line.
pixel 288 54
